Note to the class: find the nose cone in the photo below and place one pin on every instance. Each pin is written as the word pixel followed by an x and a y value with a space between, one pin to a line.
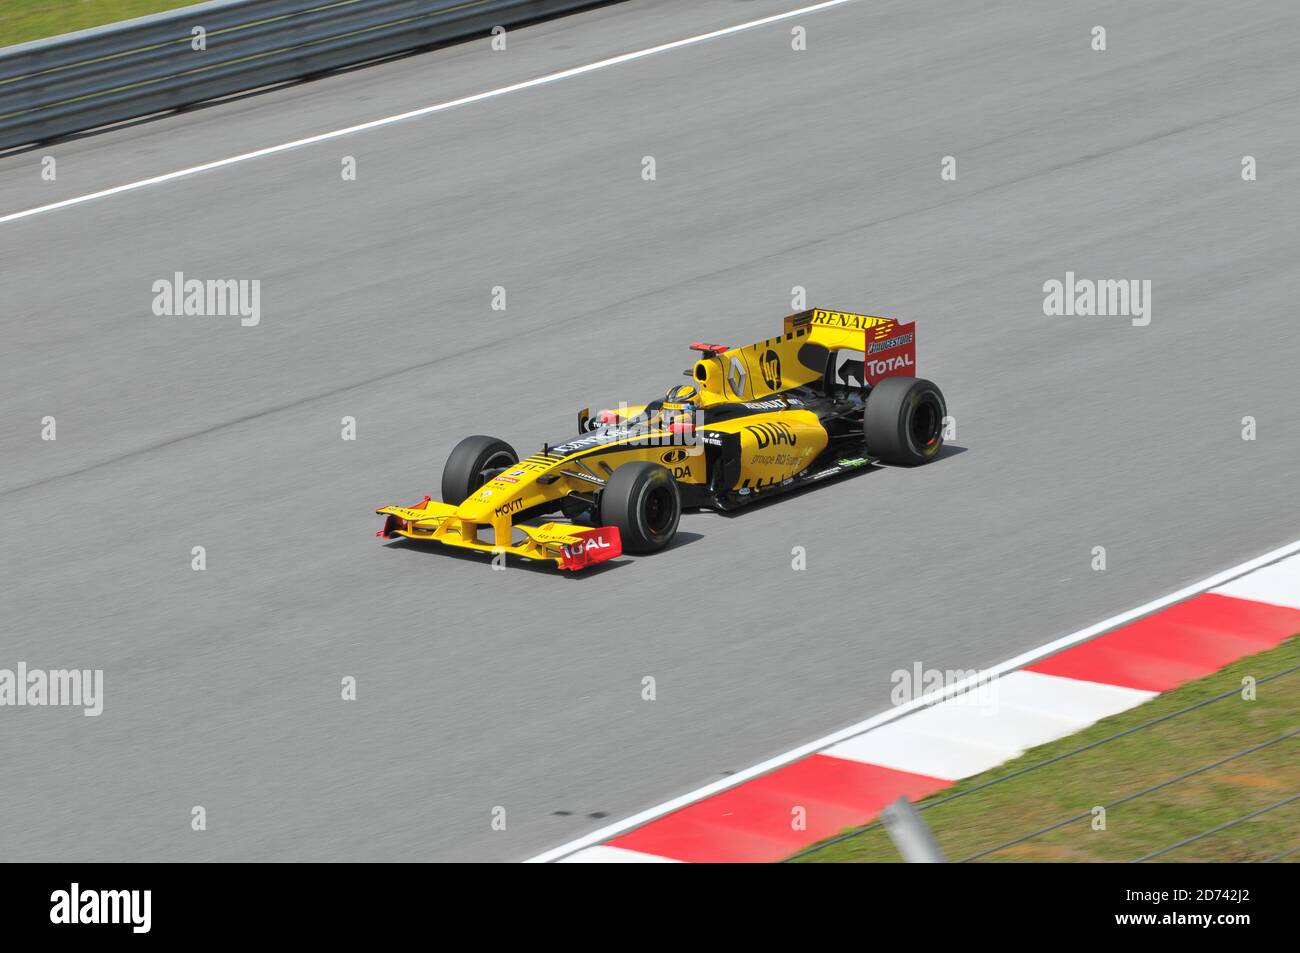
pixel 496 499
pixel 477 508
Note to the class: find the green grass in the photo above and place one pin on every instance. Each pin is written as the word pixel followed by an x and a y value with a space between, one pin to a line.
pixel 23 20
pixel 1105 774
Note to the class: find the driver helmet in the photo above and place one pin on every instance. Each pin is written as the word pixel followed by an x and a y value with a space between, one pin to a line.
pixel 683 395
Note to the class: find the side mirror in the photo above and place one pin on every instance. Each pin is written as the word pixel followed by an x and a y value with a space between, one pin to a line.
pixel 584 416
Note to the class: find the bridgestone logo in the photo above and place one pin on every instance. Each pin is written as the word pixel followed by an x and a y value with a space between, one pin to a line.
pixel 891 343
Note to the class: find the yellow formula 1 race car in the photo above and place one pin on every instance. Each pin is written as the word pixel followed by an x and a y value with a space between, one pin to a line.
pixel 833 393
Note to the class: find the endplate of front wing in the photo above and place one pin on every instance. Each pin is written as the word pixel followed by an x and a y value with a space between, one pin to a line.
pixel 568 545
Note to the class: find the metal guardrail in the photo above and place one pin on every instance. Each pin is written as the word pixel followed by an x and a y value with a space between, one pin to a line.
pixel 49 88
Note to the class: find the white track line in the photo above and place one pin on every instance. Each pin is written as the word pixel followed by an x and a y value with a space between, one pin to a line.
pixel 423 111
pixel 1010 665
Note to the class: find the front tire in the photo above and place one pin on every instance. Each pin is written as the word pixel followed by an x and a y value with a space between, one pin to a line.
pixel 473 462
pixel 903 423
pixel 642 500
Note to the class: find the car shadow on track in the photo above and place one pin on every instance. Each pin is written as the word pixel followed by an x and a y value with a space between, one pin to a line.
pixel 946 451
pixel 538 566
pixel 681 539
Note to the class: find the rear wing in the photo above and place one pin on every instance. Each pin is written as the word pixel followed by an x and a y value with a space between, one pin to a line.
pixel 888 347
pixel 799 356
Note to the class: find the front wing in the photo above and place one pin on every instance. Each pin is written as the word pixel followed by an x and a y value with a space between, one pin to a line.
pixel 568 545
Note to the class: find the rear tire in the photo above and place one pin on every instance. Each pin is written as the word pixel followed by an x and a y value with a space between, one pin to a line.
pixel 903 423
pixel 472 463
pixel 642 500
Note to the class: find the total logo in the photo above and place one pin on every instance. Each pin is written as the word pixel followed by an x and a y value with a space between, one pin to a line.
pixel 888 364
pixel 586 546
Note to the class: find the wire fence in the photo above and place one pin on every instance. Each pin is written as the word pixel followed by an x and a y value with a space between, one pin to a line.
pixel 1056 759
pixel 1222 827
pixel 1133 797
pixel 1278 857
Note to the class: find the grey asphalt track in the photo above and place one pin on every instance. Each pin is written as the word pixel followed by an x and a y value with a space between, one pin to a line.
pixel 775 168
